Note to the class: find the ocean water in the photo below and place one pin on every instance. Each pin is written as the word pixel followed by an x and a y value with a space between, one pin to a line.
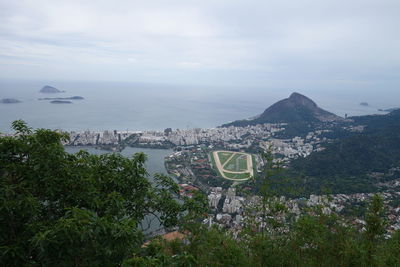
pixel 135 106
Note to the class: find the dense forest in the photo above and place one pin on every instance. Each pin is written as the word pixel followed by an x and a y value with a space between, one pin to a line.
pixel 347 165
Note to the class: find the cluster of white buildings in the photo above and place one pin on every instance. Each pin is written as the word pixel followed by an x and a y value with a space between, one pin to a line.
pixel 234 210
pixel 178 137
pixel 291 148
pixel 198 136
pixel 232 203
pixel 297 146
pixel 97 138
pixel 214 197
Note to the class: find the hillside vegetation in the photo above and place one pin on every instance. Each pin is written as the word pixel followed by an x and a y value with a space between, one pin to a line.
pixel 346 165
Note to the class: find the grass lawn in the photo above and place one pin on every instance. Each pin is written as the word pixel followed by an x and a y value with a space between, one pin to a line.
pixel 237 163
pixel 237 176
pixel 223 157
pixel 234 162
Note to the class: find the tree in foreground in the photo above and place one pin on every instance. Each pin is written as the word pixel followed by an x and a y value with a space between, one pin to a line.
pixel 60 209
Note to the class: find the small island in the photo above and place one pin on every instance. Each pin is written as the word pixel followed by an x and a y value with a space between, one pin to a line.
pixel 365 104
pixel 63 98
pixel 47 89
pixel 60 102
pixel 9 101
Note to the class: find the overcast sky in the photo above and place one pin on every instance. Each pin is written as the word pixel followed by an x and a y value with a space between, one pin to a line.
pixel 260 43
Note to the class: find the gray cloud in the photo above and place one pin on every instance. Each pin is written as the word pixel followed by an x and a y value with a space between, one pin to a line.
pixel 274 43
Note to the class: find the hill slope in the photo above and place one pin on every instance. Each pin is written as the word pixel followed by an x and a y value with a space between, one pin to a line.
pixel 345 166
pixel 296 108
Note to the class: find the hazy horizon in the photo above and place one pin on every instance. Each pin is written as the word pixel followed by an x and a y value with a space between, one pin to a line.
pixel 147 65
pixel 312 44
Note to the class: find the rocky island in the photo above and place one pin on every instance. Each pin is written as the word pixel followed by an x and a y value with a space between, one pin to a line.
pixel 60 102
pixel 9 101
pixel 50 90
pixel 63 98
pixel 365 104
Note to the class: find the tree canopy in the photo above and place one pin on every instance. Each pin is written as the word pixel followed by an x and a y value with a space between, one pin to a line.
pixel 78 209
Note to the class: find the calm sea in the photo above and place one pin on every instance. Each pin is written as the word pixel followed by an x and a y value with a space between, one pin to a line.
pixel 134 106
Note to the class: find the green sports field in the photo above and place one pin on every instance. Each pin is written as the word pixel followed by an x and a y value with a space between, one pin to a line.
pixel 237 166
pixel 224 156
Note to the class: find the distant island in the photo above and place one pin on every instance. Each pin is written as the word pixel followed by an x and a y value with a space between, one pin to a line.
pixel 50 90
pixel 9 101
pixel 63 98
pixel 365 104
pixel 60 102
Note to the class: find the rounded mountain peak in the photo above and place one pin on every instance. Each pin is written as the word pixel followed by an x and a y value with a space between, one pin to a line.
pixel 50 89
pixel 302 100
pixel 295 108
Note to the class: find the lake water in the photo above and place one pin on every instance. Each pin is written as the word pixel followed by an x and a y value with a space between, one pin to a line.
pixel 134 106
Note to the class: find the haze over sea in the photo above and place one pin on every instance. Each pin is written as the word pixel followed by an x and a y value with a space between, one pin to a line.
pixel 145 106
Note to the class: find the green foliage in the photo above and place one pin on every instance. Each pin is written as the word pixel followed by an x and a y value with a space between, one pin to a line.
pixel 74 210
pixel 208 247
pixel 345 165
pixel 82 238
pixel 314 239
pixel 374 219
pixel 215 248
pixel 375 227
pixel 275 181
pixel 196 209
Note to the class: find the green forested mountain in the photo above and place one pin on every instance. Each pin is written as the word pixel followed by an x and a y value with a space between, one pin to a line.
pixel 347 164
pixel 375 123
